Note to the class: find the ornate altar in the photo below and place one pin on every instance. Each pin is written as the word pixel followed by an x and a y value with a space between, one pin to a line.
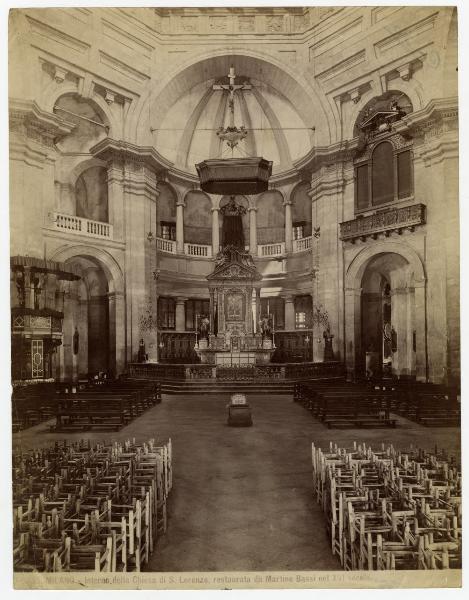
pixel 234 287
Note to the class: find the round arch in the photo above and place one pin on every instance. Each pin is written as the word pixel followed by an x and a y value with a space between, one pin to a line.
pixel 308 100
pixel 105 260
pixel 409 88
pixel 83 166
pixel 96 101
pixel 357 267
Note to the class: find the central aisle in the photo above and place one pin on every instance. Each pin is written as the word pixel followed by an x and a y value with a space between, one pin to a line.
pixel 242 497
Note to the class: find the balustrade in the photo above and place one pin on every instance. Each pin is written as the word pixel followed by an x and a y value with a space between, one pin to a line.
pixel 166 245
pixel 82 226
pixel 276 249
pixel 242 372
pixel 198 250
pixel 302 244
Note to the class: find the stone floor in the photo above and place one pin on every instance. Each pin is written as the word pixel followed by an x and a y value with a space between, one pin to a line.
pixel 242 497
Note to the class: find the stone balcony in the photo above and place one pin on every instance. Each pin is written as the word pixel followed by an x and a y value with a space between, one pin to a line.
pixel 383 222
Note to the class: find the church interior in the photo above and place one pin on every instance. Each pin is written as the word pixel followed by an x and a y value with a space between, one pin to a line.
pixel 234 289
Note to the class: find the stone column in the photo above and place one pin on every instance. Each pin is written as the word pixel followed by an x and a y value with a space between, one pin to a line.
pixel 116 198
pixel 117 343
pixel 289 313
pixel 420 327
pixel 215 231
pixel 212 310
pixel 69 322
pixel 180 227
pixel 400 361
pixel 288 227
pixel 82 326
pixel 180 314
pixel 352 331
pixel 253 230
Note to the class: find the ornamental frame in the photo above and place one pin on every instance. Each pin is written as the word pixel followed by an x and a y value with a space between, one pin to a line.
pixel 399 145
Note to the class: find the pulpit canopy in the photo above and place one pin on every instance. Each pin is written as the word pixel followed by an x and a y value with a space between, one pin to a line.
pixel 233 176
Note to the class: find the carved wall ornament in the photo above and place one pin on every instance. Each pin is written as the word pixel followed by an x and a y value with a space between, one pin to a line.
pixel 218 24
pixel 60 74
pixel 383 222
pixel 246 24
pixel 274 23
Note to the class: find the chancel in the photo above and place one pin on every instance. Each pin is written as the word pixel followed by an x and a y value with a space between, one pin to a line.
pixel 250 211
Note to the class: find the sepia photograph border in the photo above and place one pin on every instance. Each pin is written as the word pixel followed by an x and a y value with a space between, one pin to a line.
pixel 235 580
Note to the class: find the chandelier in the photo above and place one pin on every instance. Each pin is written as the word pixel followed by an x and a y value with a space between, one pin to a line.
pixel 232 176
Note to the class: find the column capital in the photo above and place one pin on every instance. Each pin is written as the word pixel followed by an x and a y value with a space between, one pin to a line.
pixel 287 202
pixel 181 203
pixel 215 209
pixel 252 209
pixel 181 299
pixel 287 297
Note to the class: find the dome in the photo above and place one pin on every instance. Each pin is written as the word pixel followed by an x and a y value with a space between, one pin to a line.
pixel 271 111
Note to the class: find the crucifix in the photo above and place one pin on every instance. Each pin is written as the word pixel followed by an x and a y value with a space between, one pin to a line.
pixel 232 134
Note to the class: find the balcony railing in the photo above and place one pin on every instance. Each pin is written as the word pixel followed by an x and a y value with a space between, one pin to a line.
pixel 277 249
pixel 302 244
pixel 198 250
pixel 82 226
pixel 166 245
pixel 383 222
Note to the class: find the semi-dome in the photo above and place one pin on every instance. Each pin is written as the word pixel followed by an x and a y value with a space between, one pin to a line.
pixel 271 110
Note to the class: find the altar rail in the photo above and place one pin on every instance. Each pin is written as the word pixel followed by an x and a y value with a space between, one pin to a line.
pixel 154 371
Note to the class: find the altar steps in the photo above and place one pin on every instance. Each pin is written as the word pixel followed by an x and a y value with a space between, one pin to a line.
pixel 210 386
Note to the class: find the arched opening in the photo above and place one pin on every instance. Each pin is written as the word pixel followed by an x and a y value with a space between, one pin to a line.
pixel 88 346
pixel 197 218
pixel 166 212
pixel 91 124
pixel 240 201
pixel 270 218
pixel 91 194
pixel 301 211
pixel 386 338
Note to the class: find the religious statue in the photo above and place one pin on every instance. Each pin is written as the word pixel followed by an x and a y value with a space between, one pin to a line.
pixel 76 341
pixel 142 356
pixel 328 351
pixel 20 288
pixel 265 327
pixel 204 328
pixel 232 232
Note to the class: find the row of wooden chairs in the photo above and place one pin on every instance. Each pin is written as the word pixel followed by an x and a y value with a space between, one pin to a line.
pixel 95 507
pixel 390 509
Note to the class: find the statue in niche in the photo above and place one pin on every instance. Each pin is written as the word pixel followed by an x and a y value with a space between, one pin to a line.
pixel 328 351
pixel 232 232
pixel 19 281
pixel 204 328
pixel 142 356
pixel 76 341
pixel 266 327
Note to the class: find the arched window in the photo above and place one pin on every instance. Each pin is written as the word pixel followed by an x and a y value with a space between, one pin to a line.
pixel 301 211
pixel 91 193
pixel 383 165
pixel 382 174
pixel 384 177
pixel 197 218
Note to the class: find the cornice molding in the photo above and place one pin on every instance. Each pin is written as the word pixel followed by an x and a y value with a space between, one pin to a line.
pixel 28 119
pixel 111 150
